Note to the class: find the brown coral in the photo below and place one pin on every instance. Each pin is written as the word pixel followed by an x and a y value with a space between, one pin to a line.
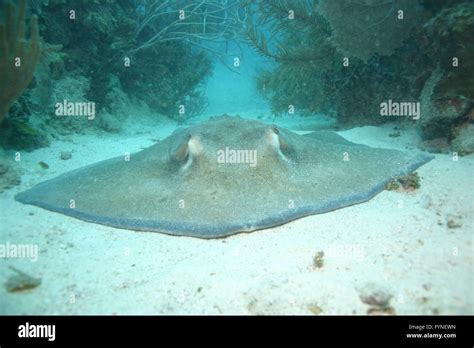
pixel 364 28
pixel 18 57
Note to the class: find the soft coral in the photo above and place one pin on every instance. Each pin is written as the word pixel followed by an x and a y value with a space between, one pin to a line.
pixel 18 57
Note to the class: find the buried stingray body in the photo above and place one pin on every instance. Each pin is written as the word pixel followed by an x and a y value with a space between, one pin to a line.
pixel 180 186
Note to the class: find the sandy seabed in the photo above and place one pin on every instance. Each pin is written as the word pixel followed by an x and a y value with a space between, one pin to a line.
pixel 415 248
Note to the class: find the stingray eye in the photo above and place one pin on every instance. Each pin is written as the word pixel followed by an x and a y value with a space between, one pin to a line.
pixel 182 151
pixel 188 151
pixel 280 144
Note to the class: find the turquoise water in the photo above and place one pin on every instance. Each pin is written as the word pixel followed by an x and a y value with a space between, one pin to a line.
pixel 339 133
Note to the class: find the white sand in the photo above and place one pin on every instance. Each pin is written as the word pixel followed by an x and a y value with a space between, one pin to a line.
pixel 407 250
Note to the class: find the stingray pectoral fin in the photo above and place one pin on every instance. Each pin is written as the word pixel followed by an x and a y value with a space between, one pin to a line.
pixel 328 137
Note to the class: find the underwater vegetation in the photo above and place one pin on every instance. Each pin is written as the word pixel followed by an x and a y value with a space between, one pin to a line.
pixel 18 56
pixel 118 64
pixel 344 58
pixel 119 55
pixel 325 69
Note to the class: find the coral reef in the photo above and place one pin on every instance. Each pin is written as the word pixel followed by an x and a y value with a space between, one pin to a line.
pixel 374 27
pixel 10 172
pixel 463 143
pixel 72 87
pixel 163 71
pixel 344 58
pixel 19 134
pixel 166 71
pixel 448 96
pixel 446 36
pixel 18 57
pixel 408 182
pixel 315 76
pixel 171 74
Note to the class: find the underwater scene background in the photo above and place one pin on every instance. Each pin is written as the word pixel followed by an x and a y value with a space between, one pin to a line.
pixel 312 105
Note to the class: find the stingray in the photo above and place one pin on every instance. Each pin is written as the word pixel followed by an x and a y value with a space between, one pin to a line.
pixel 224 176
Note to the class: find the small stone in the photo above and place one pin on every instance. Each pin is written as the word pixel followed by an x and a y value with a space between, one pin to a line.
pixel 318 260
pixel 43 165
pixel 375 296
pixel 66 155
pixel 453 222
pixel 315 309
pixel 410 182
pixel 21 281
pixel 394 135
pixel 392 185
pixel 381 311
pixel 66 245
